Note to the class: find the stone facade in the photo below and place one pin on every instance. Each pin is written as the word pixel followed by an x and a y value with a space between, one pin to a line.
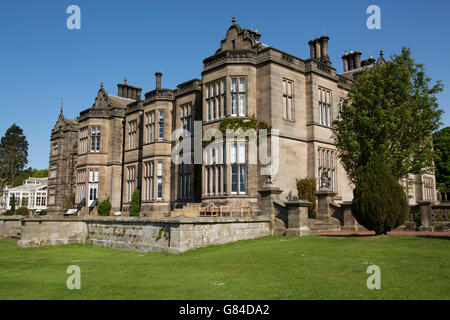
pixel 124 142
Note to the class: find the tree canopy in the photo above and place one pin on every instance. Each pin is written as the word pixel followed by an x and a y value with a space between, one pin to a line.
pixel 13 154
pixel 441 143
pixel 390 111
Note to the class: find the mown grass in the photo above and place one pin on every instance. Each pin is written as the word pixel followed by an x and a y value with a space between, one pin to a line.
pixel 267 268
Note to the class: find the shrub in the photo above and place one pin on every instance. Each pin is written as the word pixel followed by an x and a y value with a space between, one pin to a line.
pixel 379 201
pixel 104 208
pixel 22 211
pixel 306 189
pixel 135 203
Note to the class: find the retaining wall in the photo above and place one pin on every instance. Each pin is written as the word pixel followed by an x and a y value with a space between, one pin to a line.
pixel 144 234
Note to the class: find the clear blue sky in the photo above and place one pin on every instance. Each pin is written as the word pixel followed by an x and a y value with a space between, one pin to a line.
pixel 41 61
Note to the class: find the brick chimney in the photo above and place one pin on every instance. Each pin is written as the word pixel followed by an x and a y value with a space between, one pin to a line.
pixel 158 80
pixel 129 92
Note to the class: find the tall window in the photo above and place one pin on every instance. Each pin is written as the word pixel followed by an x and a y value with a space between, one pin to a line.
pixel 93 185
pixel 84 140
pixel 148 181
pixel 95 139
pixel 185 117
pixel 150 126
pixel 288 94
pixel 326 163
pixel 324 107
pixel 216 99
pixel 238 168
pixel 132 134
pixel 161 125
pixel 81 185
pixel 159 180
pixel 184 181
pixel 131 182
pixel 214 170
pixel 55 148
pixel 238 97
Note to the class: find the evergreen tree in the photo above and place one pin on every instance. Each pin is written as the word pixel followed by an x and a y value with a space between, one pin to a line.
pixel 379 201
pixel 13 154
pixel 135 203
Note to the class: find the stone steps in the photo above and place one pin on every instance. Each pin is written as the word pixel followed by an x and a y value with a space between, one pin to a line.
pixel 323 225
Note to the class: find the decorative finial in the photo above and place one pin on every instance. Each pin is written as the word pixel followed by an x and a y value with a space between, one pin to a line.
pixel 233 20
pixel 62 101
pixel 125 80
pixel 381 53
pixel 101 85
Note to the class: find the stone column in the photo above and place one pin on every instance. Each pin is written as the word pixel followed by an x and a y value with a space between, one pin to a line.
pixel 297 217
pixel 425 214
pixel 324 199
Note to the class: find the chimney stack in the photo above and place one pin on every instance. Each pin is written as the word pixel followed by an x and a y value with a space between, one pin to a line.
pixel 318 49
pixel 345 60
pixel 129 92
pixel 357 62
pixel 324 49
pixel 158 80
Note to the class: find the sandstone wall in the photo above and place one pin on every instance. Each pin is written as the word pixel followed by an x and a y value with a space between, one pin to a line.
pixel 143 234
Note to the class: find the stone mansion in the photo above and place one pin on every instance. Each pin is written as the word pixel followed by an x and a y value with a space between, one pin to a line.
pixel 124 141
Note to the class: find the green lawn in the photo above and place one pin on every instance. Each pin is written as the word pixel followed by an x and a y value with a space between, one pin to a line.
pixel 267 268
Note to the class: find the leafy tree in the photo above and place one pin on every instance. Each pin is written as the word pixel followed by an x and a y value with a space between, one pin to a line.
pixel 390 111
pixel 379 201
pixel 39 173
pixel 13 154
pixel 104 207
pixel 135 203
pixel 441 143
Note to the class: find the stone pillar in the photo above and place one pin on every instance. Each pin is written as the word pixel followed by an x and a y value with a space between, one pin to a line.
pixel 297 217
pixel 349 220
pixel 268 195
pixel 425 213
pixel 324 199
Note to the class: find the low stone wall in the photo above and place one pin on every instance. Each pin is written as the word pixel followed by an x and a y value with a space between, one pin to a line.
pixel 172 234
pixel 144 234
pixel 42 231
pixel 10 226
